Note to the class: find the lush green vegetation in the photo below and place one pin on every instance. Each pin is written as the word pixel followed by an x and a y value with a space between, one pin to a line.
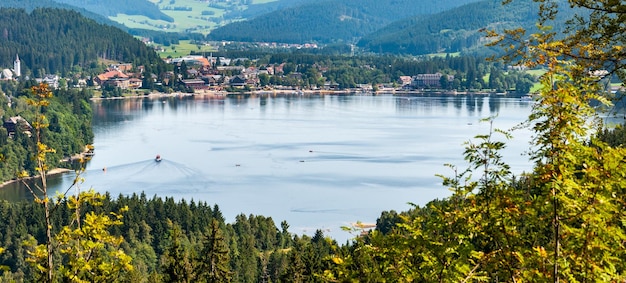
pixel 562 221
pixel 327 21
pixel 449 31
pixel 172 241
pixel 69 118
pixel 376 26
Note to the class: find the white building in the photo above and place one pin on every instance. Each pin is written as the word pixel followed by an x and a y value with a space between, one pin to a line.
pixel 6 74
pixel 17 68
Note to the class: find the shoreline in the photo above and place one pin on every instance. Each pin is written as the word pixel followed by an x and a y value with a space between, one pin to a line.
pixel 220 94
pixel 51 172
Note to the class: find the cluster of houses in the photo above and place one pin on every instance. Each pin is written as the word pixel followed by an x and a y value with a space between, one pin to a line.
pixel 120 76
pixel 200 74
pixel 204 73
pixel 216 73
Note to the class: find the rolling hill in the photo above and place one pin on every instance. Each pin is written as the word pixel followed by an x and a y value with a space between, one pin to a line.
pixel 449 31
pixel 329 21
pixel 457 29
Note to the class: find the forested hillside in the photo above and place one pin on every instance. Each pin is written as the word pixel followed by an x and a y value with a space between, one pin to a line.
pixel 450 31
pixel 53 41
pixel 69 116
pixel 455 30
pixel 257 9
pixel 329 21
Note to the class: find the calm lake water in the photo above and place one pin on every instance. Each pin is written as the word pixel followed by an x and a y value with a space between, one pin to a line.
pixel 318 162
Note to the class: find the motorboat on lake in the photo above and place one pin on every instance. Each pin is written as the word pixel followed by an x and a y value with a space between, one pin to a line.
pixel 157 158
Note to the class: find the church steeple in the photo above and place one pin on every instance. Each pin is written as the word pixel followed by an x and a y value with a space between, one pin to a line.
pixel 17 69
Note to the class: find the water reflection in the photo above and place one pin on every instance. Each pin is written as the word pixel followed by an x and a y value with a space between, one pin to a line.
pixel 315 161
pixel 472 105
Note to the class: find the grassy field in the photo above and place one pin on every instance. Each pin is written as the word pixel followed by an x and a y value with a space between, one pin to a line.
pixel 443 55
pixel 536 72
pixel 184 21
pixel 184 48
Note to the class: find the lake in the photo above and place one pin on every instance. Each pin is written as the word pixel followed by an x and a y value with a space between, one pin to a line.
pixel 318 162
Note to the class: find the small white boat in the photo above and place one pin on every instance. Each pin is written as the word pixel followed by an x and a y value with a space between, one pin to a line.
pixel 157 158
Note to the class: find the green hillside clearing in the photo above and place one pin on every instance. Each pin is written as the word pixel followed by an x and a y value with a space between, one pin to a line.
pixel 189 15
pixel 184 48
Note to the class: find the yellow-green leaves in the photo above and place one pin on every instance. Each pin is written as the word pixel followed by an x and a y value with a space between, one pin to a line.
pixel 90 252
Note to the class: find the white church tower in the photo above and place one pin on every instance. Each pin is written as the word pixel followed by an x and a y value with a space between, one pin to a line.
pixel 17 69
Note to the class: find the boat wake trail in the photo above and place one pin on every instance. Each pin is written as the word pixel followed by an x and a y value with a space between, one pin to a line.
pixel 149 176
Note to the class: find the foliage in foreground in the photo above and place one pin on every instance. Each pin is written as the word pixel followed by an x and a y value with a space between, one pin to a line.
pixel 565 221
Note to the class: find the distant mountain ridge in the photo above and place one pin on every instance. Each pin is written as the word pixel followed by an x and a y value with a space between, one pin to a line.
pixel 329 21
pixel 378 26
pixel 457 29
pixel 449 31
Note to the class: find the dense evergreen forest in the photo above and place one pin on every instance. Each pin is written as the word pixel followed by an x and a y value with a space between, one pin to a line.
pixel 53 41
pixel 454 30
pixel 458 29
pixel 168 240
pixel 327 21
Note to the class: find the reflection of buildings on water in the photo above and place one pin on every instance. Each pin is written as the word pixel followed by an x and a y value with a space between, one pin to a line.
pixel 472 104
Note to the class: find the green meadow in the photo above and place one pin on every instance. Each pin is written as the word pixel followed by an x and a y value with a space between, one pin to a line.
pixel 184 48
pixel 189 16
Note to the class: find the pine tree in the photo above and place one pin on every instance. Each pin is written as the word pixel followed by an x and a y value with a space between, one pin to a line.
pixel 177 263
pixel 213 260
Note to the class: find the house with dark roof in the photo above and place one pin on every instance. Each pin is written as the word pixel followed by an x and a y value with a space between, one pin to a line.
pixel 430 80
pixel 195 84
pixel 238 81
pixel 13 124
